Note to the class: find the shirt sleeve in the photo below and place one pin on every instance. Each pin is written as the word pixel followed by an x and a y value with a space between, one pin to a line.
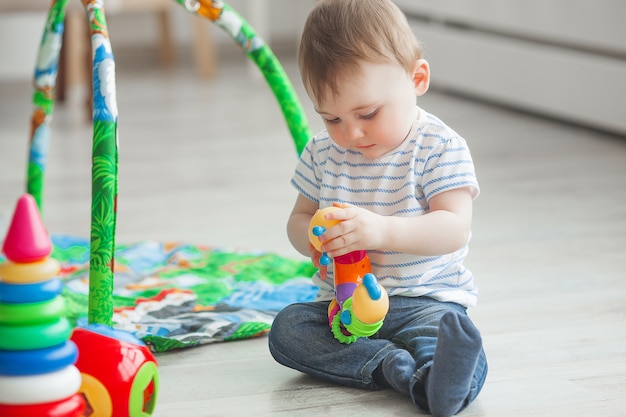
pixel 449 166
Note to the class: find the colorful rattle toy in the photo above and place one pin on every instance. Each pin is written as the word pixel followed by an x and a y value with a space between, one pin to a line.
pixel 360 304
pixel 38 376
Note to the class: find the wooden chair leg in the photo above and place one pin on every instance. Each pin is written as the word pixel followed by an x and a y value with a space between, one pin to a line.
pixel 74 78
pixel 61 81
pixel 204 52
pixel 168 50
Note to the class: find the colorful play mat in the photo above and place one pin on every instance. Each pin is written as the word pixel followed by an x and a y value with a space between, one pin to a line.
pixel 176 295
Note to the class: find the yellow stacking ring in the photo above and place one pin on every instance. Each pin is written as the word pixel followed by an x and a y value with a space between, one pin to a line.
pixel 37 336
pixel 32 313
pixel 18 273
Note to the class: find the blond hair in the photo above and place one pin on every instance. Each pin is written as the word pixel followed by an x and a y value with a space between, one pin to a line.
pixel 340 33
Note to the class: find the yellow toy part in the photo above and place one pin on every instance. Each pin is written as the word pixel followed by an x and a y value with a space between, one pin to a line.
pixel 367 309
pixel 97 396
pixel 27 273
pixel 318 220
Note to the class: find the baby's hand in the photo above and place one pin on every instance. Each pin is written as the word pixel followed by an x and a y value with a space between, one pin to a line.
pixel 358 229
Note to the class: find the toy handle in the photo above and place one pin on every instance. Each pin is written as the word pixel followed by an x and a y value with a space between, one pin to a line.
pixel 319 231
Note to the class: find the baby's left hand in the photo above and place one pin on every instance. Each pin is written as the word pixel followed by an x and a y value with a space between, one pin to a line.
pixel 358 229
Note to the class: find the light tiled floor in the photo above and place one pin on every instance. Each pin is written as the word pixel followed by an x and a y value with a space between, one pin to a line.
pixel 210 162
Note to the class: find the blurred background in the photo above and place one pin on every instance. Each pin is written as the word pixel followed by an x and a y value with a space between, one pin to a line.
pixel 560 58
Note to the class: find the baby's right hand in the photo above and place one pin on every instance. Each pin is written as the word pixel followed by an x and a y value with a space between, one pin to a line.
pixel 315 258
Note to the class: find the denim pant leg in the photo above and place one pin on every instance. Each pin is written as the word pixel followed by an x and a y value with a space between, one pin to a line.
pixel 415 326
pixel 300 338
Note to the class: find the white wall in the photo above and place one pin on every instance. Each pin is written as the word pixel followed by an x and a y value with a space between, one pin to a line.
pixel 19 40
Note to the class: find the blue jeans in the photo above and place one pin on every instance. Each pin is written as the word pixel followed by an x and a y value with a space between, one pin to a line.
pixel 301 339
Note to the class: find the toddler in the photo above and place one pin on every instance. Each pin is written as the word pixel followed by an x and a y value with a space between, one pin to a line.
pixel 405 183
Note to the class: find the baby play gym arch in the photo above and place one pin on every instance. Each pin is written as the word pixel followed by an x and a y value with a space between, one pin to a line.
pixel 105 115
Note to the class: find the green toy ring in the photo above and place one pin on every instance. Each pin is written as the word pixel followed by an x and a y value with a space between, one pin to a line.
pixel 35 337
pixel 32 313
pixel 338 332
pixel 15 273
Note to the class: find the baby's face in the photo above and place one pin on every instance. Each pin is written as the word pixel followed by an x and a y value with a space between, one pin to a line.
pixel 372 111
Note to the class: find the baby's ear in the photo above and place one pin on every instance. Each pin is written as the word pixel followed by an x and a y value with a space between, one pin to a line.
pixel 421 76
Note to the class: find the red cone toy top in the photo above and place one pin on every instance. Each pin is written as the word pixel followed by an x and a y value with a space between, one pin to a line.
pixel 27 239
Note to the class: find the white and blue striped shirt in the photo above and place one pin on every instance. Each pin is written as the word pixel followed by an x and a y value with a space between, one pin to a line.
pixel 432 159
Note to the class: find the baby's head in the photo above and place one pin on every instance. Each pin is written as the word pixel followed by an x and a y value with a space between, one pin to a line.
pixel 338 34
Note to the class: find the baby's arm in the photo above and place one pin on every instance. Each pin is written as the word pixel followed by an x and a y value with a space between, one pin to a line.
pixel 444 229
pixel 298 224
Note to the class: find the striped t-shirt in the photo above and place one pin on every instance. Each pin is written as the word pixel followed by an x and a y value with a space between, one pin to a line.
pixel 432 159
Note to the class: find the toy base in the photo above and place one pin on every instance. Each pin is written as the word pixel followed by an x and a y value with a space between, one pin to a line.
pixel 73 406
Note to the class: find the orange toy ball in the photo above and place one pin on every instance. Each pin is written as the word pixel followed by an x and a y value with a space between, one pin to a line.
pixel 319 220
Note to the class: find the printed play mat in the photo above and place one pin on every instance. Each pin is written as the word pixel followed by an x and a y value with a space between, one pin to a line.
pixel 177 295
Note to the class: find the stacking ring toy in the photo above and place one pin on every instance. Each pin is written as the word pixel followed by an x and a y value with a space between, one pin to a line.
pixel 15 273
pixel 73 406
pixel 32 313
pixel 34 337
pixel 37 361
pixel 30 293
pixel 43 388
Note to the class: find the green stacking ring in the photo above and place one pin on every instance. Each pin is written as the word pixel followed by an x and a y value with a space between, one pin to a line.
pixel 32 313
pixel 37 336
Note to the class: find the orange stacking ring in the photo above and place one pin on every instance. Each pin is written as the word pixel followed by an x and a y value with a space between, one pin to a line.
pixel 16 273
